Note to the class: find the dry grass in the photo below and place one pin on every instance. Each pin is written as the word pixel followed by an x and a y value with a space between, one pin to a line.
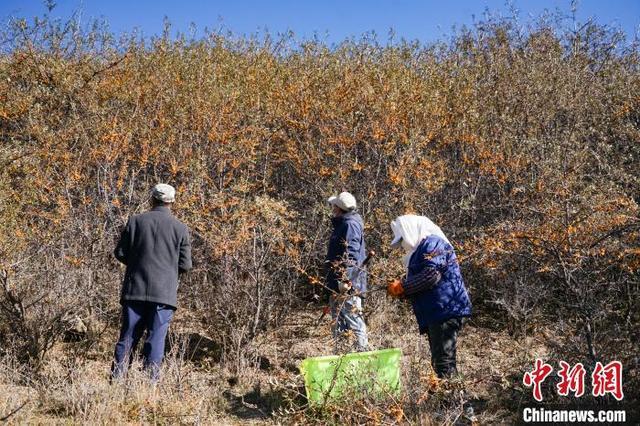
pixel 201 391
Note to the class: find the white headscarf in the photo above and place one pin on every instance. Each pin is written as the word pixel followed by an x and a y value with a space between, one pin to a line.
pixel 411 230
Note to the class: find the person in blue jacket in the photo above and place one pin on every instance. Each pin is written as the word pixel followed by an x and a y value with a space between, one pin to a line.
pixel 434 286
pixel 346 277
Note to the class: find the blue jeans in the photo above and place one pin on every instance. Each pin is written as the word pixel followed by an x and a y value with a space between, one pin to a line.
pixel 346 312
pixel 138 317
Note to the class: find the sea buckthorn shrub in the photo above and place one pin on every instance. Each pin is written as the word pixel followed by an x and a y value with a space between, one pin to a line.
pixel 520 141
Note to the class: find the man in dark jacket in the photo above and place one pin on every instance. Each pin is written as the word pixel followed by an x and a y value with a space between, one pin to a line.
pixel 346 277
pixel 155 247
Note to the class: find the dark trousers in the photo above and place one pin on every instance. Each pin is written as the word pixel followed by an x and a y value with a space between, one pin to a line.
pixel 442 340
pixel 138 317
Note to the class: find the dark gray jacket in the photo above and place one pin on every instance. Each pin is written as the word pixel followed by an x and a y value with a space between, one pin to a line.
pixel 155 247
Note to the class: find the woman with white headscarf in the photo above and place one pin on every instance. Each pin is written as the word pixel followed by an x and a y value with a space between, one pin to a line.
pixel 434 286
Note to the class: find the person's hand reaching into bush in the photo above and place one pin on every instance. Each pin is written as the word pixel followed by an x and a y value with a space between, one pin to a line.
pixel 395 289
pixel 344 286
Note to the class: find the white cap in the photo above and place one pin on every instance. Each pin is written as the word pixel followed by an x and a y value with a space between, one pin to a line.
pixel 344 200
pixel 163 192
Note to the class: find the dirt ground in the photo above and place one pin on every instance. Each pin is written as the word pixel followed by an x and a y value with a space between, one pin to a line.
pixel 197 389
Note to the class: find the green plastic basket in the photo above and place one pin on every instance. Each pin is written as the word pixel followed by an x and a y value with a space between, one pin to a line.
pixel 375 373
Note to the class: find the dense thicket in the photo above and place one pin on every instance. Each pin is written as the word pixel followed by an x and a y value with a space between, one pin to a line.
pixel 521 142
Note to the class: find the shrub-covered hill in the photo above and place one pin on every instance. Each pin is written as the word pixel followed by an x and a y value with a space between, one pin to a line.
pixel 521 142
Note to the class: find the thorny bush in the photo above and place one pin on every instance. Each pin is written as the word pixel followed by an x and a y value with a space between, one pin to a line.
pixel 521 141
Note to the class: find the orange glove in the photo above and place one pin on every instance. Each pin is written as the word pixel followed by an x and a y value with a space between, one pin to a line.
pixel 394 288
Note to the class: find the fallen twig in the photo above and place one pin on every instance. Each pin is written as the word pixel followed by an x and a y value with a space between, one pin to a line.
pixel 5 418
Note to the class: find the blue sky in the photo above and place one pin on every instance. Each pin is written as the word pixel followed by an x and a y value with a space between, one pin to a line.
pixel 332 20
